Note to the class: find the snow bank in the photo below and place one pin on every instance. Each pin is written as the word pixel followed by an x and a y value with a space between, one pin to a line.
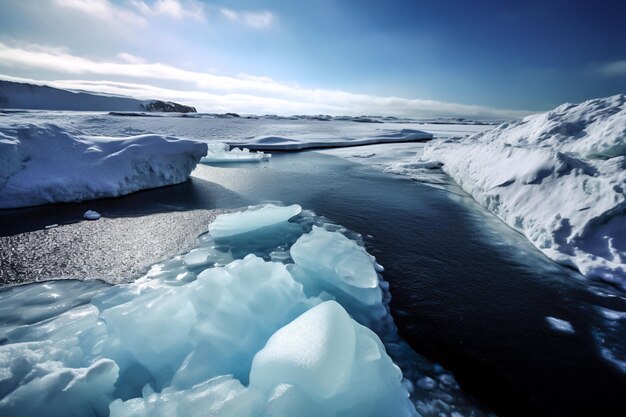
pixel 220 153
pixel 192 339
pixel 558 177
pixel 45 163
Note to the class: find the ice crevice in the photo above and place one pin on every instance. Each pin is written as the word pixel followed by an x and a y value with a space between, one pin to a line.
pixel 277 312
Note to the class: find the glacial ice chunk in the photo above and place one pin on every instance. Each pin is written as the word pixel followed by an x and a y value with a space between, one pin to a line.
pixel 91 215
pixel 330 359
pixel 253 218
pixel 220 153
pixel 332 252
pixel 560 325
pixel 329 262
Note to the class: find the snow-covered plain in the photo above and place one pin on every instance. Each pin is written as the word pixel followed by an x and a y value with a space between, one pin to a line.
pixel 45 163
pixel 227 333
pixel 558 177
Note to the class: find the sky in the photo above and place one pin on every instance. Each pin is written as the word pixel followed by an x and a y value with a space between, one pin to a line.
pixel 490 59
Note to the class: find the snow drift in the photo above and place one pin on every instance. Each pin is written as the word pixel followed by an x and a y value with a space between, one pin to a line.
pixel 45 163
pixel 202 338
pixel 558 177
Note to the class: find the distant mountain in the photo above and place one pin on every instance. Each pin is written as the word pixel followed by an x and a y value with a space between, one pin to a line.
pixel 14 95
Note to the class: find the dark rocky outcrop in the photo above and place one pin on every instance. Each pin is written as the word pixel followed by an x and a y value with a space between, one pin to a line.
pixel 168 106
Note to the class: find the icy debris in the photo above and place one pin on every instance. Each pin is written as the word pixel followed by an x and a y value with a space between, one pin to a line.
pixel 91 215
pixel 560 325
pixel 558 177
pixel 45 163
pixel 220 153
pixel 244 339
pixel 254 218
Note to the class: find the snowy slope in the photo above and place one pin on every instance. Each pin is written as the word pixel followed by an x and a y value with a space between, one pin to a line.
pixel 45 163
pixel 14 95
pixel 558 177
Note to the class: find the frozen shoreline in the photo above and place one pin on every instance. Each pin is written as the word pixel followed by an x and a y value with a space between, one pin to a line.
pixel 557 177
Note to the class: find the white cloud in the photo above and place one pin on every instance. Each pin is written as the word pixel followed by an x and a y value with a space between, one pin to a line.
pixel 102 9
pixel 138 11
pixel 257 20
pixel 130 59
pixel 210 92
pixel 616 68
pixel 172 8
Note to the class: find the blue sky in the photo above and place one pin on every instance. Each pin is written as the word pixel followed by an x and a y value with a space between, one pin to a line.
pixel 420 58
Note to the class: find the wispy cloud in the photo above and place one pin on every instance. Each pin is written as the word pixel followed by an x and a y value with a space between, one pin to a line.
pixel 103 9
pixel 257 20
pixel 210 92
pixel 136 11
pixel 171 8
pixel 613 69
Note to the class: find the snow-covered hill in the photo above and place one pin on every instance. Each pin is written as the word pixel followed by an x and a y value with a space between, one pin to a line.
pixel 558 177
pixel 14 95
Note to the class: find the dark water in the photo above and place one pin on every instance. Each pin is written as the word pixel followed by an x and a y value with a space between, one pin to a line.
pixel 468 292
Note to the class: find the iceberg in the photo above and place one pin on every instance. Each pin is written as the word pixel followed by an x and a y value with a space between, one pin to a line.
pixel 244 338
pixel 46 163
pixel 557 177
pixel 220 153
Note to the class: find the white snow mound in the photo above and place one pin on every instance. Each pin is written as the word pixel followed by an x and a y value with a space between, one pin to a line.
pixel 45 163
pixel 558 177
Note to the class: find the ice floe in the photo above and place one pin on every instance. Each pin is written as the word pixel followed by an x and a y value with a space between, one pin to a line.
pixel 560 325
pixel 252 219
pixel 91 215
pixel 221 153
pixel 558 177
pixel 314 140
pixel 45 163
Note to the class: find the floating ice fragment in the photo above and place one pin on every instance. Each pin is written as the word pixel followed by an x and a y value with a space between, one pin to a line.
pixel 254 218
pixel 91 215
pixel 334 365
pixel 333 253
pixel 329 262
pixel 560 325
pixel 220 153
